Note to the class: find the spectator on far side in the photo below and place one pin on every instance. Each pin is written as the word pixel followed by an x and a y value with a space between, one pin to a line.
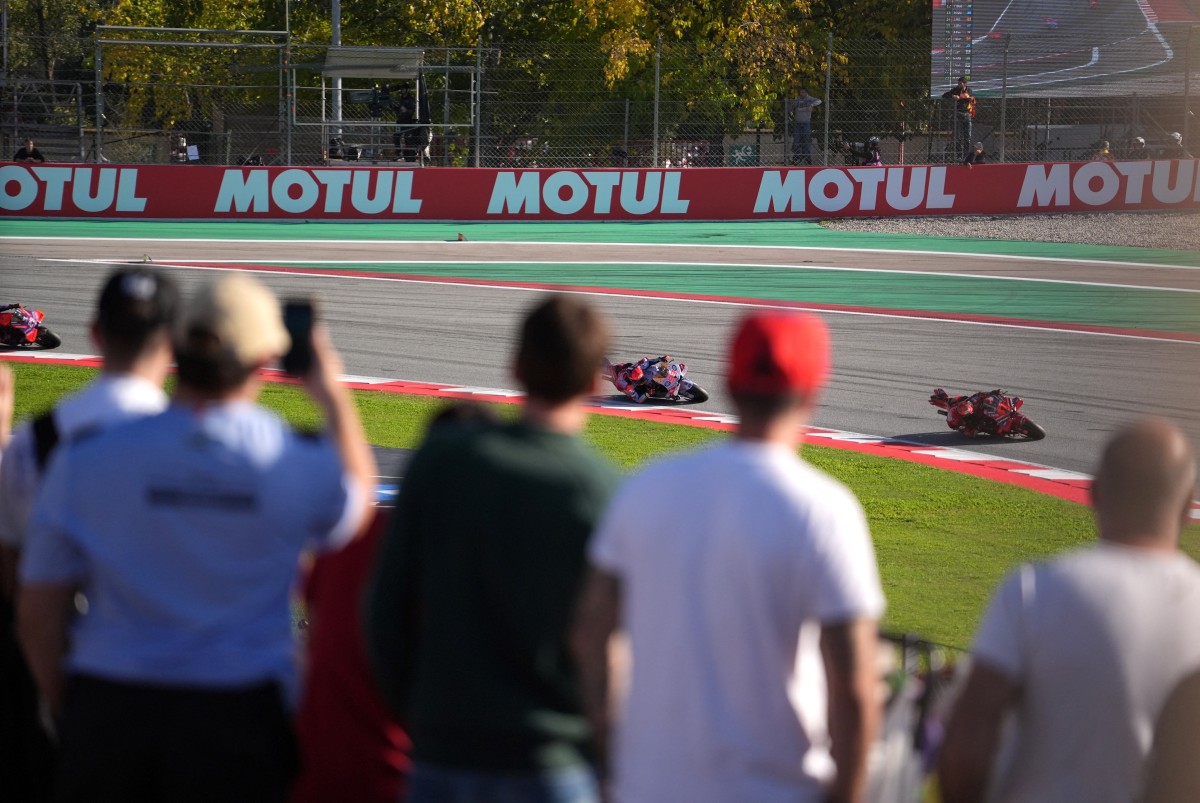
pixel 182 530
pixel 976 156
pixel 1083 650
pixel 731 613
pixel 468 608
pixel 28 153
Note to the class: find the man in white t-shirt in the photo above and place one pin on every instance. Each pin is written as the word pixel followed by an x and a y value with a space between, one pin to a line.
pixel 1082 651
pixel 746 582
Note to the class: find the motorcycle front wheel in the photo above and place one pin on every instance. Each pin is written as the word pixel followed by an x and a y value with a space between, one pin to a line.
pixel 47 339
pixel 694 395
pixel 1029 431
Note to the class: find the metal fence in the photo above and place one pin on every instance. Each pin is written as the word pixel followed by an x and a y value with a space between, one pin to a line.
pixel 237 97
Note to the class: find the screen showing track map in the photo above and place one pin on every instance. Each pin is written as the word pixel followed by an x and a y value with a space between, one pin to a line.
pixel 1079 48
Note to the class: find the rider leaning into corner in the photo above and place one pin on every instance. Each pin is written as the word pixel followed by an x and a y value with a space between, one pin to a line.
pixel 961 414
pixel 635 379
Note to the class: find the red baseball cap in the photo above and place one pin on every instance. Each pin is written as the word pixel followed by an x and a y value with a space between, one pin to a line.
pixel 778 353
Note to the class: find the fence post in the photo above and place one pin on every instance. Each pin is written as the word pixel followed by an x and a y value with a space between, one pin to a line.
pixel 98 139
pixel 657 83
pixel 1004 98
pixel 625 138
pixel 79 118
pixel 828 81
pixel 1187 88
pixel 477 102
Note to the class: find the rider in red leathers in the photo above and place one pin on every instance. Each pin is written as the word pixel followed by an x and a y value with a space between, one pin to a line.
pixel 963 412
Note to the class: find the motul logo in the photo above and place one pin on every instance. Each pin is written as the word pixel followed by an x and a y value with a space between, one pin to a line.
pixel 103 189
pixel 835 190
pixel 296 192
pixel 566 192
pixel 1101 183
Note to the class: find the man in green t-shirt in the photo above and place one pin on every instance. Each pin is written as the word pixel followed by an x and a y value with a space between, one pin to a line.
pixel 469 604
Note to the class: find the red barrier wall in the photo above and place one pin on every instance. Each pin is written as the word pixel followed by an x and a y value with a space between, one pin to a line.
pixel 182 192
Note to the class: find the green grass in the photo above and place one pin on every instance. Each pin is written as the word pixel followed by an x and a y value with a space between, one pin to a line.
pixel 943 539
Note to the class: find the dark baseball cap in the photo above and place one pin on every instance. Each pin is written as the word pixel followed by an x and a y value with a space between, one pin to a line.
pixel 779 353
pixel 137 300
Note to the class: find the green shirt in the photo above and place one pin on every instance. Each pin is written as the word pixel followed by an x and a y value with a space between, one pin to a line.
pixel 473 594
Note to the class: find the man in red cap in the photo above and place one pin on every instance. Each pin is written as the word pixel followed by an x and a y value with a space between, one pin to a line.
pixel 751 611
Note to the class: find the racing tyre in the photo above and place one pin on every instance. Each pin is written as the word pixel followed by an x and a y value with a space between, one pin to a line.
pixel 694 395
pixel 47 339
pixel 1031 431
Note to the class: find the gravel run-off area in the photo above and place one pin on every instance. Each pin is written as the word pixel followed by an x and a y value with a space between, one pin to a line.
pixel 1176 230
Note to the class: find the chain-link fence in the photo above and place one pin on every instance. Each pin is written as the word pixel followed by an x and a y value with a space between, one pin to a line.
pixel 239 97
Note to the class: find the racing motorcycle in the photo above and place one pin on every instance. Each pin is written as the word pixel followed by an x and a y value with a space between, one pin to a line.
pixel 990 413
pixel 22 328
pixel 663 380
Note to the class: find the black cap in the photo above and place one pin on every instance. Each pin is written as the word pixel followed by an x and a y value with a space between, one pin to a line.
pixel 137 300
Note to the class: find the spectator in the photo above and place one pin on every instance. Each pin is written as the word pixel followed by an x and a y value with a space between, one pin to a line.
pixel 964 116
pixel 754 569
pixel 28 153
pixel 1084 649
pixel 1137 149
pixel 182 530
pixel 1103 153
pixel 1173 774
pixel 131 330
pixel 487 546
pixel 1174 148
pixel 351 746
pixel 800 109
pixel 864 154
pixel 976 156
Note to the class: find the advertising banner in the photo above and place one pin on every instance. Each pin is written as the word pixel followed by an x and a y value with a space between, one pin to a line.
pixel 196 192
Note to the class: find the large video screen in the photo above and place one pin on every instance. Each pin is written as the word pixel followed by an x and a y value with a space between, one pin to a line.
pixel 1079 48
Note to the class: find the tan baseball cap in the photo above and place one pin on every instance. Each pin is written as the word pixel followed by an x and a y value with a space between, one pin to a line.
pixel 240 313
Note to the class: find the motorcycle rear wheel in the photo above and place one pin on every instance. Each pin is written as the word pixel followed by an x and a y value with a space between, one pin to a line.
pixel 47 339
pixel 1029 431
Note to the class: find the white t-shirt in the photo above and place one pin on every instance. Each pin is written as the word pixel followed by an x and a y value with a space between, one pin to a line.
pixel 730 559
pixel 111 399
pixel 1097 639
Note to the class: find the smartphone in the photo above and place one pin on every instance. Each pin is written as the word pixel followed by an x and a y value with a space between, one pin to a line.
pixel 298 317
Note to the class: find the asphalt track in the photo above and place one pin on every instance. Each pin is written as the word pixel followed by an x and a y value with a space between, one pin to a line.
pixel 1089 341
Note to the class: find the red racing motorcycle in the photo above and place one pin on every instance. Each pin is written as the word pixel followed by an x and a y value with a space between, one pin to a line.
pixel 987 413
pixel 22 328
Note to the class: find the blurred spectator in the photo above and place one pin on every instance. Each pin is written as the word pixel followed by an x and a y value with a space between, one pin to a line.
pixel 351 746
pixel 1174 148
pixel 182 532
pixel 864 154
pixel 28 153
pixel 1084 649
pixel 753 569
pixel 131 330
pixel 468 608
pixel 800 109
pixel 1173 774
pixel 976 156
pixel 1137 149
pixel 1103 153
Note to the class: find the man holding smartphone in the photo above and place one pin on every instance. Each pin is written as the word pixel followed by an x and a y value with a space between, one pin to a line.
pixel 183 531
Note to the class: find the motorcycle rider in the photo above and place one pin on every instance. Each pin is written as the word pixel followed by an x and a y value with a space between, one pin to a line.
pixel 965 413
pixel 19 319
pixel 635 379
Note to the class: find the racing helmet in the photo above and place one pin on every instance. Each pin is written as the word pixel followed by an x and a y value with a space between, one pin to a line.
pixel 872 142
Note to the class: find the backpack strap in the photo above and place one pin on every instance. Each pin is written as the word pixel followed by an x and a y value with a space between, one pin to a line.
pixel 45 436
